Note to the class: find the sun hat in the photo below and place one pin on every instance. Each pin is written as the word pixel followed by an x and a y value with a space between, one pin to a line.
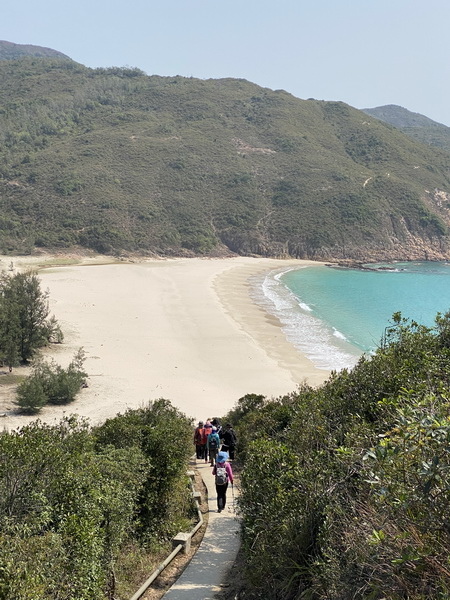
pixel 222 457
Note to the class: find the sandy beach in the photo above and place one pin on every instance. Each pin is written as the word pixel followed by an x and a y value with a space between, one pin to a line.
pixel 184 329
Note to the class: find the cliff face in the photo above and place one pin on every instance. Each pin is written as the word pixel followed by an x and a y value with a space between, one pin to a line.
pixel 398 242
pixel 410 248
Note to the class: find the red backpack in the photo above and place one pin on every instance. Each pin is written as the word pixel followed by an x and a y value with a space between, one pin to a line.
pixel 206 432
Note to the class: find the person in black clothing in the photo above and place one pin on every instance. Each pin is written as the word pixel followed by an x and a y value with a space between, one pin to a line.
pixel 216 423
pixel 229 440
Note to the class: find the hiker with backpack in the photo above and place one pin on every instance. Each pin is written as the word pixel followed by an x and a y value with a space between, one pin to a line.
pixel 212 445
pixel 207 429
pixel 223 474
pixel 200 441
pixel 229 440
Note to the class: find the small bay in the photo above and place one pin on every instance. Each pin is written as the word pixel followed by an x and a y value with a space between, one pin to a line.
pixel 334 315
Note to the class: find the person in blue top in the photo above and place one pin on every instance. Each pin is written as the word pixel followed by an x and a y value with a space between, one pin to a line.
pixel 213 445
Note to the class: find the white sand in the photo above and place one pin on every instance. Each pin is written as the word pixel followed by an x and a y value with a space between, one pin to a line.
pixel 183 329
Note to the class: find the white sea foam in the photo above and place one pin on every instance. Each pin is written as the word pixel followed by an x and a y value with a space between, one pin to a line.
pixel 304 306
pixel 339 335
pixel 326 348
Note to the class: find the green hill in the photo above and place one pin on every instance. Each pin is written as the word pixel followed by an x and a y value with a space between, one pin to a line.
pixel 11 51
pixel 114 160
pixel 415 125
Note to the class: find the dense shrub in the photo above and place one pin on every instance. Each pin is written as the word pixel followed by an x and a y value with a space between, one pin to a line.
pixel 164 435
pixel 72 500
pixel 31 397
pixel 345 488
pixel 51 384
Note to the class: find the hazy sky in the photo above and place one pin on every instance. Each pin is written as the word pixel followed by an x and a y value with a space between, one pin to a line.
pixel 364 52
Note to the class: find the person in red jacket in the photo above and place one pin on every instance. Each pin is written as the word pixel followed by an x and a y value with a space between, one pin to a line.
pixel 207 429
pixel 200 441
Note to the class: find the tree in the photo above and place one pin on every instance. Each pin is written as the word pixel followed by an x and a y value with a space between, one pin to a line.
pixel 164 435
pixel 23 322
pixel 9 333
pixel 70 500
pixel 33 312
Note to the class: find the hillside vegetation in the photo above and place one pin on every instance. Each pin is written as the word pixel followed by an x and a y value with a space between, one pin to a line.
pixel 85 511
pixel 415 125
pixel 11 51
pixel 345 488
pixel 117 161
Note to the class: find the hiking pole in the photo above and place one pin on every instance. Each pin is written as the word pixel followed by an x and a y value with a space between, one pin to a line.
pixel 232 493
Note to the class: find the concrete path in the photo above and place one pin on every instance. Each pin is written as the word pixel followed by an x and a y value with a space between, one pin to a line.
pixel 210 565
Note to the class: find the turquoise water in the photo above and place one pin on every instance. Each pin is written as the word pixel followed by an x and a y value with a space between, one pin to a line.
pixel 335 315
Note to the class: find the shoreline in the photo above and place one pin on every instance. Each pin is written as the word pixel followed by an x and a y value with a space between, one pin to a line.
pixel 182 329
pixel 272 337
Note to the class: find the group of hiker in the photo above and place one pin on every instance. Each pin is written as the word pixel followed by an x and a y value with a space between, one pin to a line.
pixel 216 445
pixel 209 436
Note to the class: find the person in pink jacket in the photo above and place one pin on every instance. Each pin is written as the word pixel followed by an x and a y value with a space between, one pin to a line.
pixel 223 475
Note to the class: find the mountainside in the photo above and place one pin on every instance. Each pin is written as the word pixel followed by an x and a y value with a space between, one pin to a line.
pixel 415 125
pixel 11 51
pixel 114 160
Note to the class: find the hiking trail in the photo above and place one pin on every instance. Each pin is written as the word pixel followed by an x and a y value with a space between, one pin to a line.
pixel 207 571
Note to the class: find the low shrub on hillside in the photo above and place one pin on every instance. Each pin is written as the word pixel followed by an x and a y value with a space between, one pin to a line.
pixel 51 384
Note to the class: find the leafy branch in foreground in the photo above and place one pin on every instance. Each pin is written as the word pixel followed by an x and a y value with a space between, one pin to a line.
pixel 78 504
pixel 345 488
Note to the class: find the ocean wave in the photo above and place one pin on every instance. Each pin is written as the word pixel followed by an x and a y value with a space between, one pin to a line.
pixel 326 348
